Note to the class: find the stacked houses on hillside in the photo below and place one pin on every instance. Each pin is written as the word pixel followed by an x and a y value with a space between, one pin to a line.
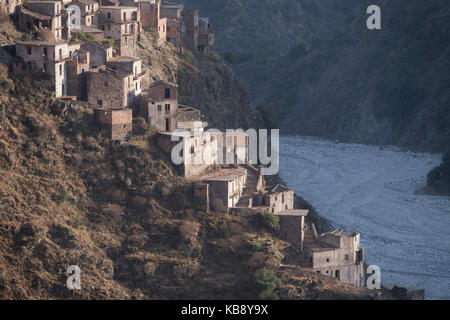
pixel 107 73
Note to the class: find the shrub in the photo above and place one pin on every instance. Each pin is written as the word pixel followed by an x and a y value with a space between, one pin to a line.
pixel 83 37
pixel 266 282
pixel 188 56
pixel 109 42
pixel 270 220
pixel 139 121
pixel 229 58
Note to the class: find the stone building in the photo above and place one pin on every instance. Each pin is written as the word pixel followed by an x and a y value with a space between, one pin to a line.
pixel 132 65
pixel 43 19
pixel 9 6
pixel 122 24
pixel 76 74
pixel 226 187
pixel 110 88
pixel 118 122
pixel 50 58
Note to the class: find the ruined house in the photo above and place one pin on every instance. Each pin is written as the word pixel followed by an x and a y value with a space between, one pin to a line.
pixel 88 22
pixel 49 58
pixel 279 199
pixel 89 10
pixel 76 74
pixel 9 6
pixel 160 107
pixel 337 254
pixel 99 54
pixel 151 17
pixel 292 226
pixel 196 149
pixel 226 187
pixel 172 12
pixel 110 88
pixel 43 19
pixel 205 35
pixel 122 24
pixel 189 28
pixel 117 122
pixel 233 149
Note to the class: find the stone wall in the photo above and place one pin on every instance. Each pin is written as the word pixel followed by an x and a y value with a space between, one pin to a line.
pixel 118 122
pixel 106 90
pixel 291 229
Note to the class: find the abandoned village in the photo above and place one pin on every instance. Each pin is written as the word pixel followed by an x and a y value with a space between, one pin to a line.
pixel 108 74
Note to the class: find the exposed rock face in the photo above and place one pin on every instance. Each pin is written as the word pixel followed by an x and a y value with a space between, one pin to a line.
pixel 335 78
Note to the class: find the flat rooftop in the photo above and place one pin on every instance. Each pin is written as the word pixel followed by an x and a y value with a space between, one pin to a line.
pixel 293 212
pixel 226 175
pixel 41 43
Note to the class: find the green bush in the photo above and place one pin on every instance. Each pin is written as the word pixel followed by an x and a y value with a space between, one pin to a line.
pixel 266 282
pixel 229 58
pixel 270 220
pixel 109 42
pixel 82 36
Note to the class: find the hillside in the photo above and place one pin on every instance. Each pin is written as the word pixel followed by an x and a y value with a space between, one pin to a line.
pixel 338 80
pixel 68 195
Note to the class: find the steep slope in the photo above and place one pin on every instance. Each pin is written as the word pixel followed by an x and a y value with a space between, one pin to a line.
pixel 205 82
pixel 337 79
pixel 70 196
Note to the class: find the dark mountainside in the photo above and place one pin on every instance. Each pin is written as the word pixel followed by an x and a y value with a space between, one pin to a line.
pixel 69 195
pixel 323 73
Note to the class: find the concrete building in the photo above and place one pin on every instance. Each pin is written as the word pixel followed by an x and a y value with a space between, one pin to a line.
pixel 43 19
pixel 118 122
pixel 110 88
pixel 292 226
pixel 337 254
pixel 9 6
pixel 226 187
pixel 122 24
pixel 278 199
pixel 50 58
pixel 160 107
pixel 132 65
